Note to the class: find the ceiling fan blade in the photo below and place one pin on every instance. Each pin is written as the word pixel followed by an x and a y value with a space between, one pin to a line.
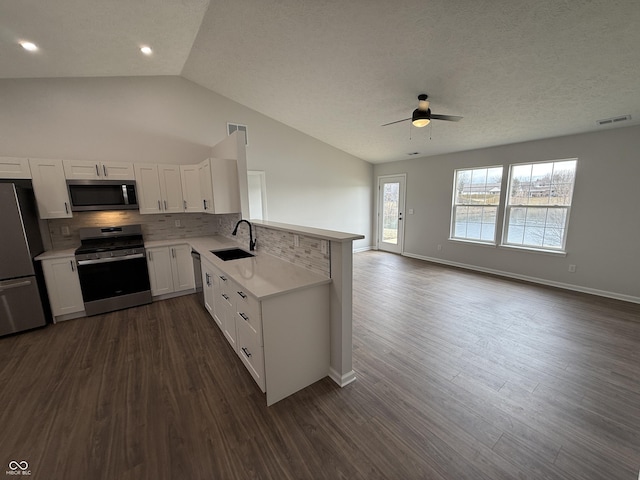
pixel 397 121
pixel 449 118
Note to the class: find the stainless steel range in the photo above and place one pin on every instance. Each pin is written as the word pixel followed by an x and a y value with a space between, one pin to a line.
pixel 112 267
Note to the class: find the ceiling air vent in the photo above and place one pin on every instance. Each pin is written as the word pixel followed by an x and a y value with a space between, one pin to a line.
pixel 613 120
pixel 232 127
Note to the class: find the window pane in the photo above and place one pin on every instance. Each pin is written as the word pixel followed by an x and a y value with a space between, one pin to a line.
pixel 539 188
pixel 476 197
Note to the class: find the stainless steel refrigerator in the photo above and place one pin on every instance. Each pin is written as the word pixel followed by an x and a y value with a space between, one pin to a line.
pixel 21 296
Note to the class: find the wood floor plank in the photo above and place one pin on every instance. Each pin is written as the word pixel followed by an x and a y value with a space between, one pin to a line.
pixel 460 375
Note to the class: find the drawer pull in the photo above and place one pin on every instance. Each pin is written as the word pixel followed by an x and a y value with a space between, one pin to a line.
pixel 223 278
pixel 208 277
pixel 244 317
pixel 246 352
pixel 242 294
pixel 225 296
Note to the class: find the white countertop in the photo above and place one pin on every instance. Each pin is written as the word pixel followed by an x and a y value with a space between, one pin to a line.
pixel 49 254
pixel 330 235
pixel 263 276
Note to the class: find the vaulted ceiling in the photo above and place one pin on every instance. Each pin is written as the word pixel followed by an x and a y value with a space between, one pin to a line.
pixel 337 70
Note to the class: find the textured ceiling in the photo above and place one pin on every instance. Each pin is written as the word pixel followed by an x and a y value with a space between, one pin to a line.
pixel 515 70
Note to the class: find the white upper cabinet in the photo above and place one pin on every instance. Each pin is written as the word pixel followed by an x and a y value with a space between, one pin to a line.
pixel 14 167
pixel 170 188
pixel 206 186
pixel 159 188
pixel 84 170
pixel 191 196
pixel 50 187
pixel 219 186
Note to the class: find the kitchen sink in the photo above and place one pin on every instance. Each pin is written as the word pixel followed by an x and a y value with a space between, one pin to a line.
pixel 231 254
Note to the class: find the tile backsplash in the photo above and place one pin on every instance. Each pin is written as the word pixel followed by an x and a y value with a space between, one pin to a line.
pixel 154 227
pixel 163 227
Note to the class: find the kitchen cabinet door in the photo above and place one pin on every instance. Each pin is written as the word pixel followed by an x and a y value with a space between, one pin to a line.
pixel 87 170
pixel 206 186
pixel 182 268
pixel 117 171
pixel 160 274
pixel 191 196
pixel 170 188
pixel 211 289
pixel 14 167
pixel 63 285
pixel 148 188
pixel 50 188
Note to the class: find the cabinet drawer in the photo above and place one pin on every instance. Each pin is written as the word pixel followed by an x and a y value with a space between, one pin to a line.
pixel 248 311
pixel 251 351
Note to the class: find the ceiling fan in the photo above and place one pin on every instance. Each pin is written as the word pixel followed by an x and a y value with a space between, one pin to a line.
pixel 422 115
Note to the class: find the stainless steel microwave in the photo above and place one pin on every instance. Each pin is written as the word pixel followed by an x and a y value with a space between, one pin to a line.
pixel 91 195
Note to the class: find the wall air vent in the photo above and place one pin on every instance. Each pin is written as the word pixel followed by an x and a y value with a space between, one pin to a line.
pixel 613 120
pixel 413 153
pixel 232 127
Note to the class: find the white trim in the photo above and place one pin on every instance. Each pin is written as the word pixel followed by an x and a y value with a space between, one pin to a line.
pixel 342 380
pixel 526 278
pixel 557 253
pixel 363 249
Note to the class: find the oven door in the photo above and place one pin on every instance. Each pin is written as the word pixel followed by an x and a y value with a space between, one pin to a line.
pixel 114 283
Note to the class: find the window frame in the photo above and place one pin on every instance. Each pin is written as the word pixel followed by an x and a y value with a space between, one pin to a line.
pixel 508 208
pixel 498 209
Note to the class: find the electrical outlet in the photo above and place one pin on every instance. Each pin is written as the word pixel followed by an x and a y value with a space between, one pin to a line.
pixel 572 268
pixel 177 223
pixel 323 247
pixel 439 247
pixel 296 240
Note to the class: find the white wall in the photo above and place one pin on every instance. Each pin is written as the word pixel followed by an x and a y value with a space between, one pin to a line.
pixel 172 120
pixel 603 239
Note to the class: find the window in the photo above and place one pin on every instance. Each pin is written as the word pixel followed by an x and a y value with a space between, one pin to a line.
pixel 538 204
pixel 476 197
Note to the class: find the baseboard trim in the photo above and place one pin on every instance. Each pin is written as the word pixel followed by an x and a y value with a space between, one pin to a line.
pixel 342 380
pixel 526 278
pixel 362 249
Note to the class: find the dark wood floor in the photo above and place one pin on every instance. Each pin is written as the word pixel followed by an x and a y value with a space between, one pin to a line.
pixel 459 376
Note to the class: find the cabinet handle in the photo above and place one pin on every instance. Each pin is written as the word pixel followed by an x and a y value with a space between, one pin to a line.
pixel 208 279
pixel 72 267
pixel 173 252
pixel 242 294
pixel 184 205
pixel 244 317
pixel 149 256
pixel 246 352
pixel 205 204
pixel 97 170
pixel 223 278
pixel 165 204
pixel 226 297
pixel 159 206
pixel 66 207
pixel 104 169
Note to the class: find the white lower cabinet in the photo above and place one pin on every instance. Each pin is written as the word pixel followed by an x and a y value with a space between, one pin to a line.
pixel 63 285
pixel 283 341
pixel 170 269
pixel 209 288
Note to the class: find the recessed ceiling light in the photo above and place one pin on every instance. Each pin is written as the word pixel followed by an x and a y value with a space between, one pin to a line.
pixel 32 47
pixel 146 50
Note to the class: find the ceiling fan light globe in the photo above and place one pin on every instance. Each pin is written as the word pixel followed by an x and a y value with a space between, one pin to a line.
pixel 420 118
